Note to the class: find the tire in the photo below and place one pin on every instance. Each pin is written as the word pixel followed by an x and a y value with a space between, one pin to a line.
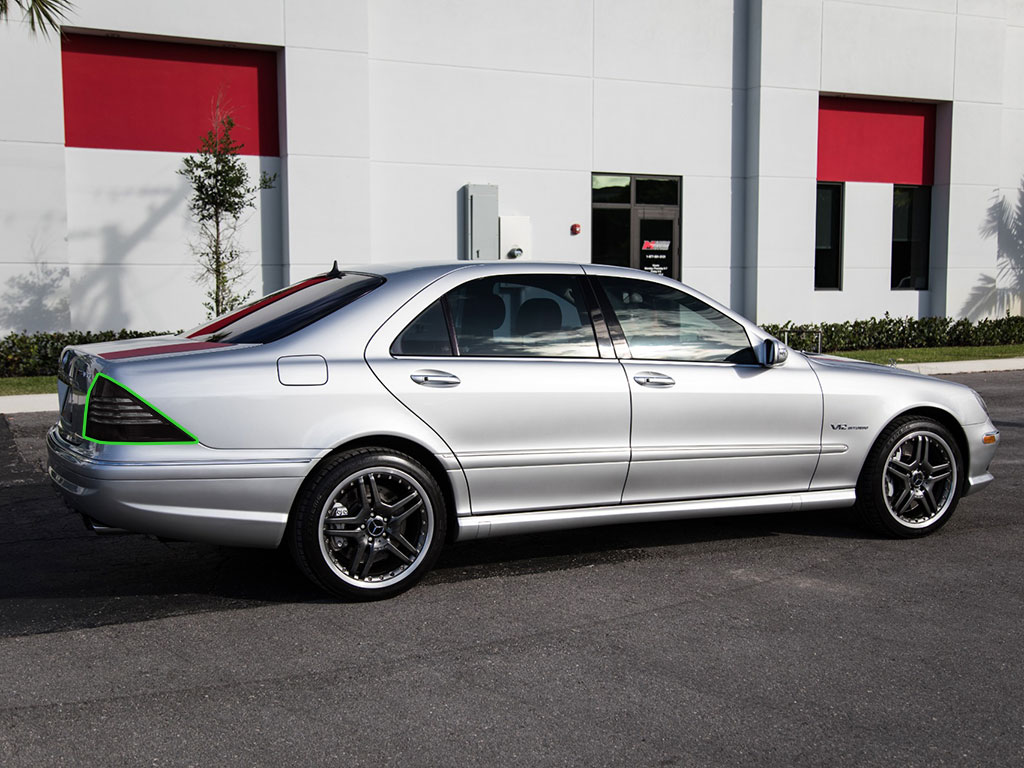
pixel 912 479
pixel 368 525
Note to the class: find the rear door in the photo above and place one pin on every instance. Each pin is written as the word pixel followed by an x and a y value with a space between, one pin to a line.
pixel 508 370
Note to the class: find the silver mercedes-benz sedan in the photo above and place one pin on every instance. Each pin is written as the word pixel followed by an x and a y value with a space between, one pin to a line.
pixel 365 417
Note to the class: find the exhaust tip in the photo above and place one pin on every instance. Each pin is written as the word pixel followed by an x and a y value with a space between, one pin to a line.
pixel 101 529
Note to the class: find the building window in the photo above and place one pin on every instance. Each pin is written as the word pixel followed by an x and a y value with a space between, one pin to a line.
pixel 911 232
pixel 636 222
pixel 828 238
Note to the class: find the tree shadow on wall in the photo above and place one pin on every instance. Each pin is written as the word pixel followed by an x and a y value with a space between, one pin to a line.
pixel 37 299
pixel 102 289
pixel 996 296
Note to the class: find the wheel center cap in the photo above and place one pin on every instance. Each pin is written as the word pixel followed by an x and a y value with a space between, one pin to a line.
pixel 917 479
pixel 376 526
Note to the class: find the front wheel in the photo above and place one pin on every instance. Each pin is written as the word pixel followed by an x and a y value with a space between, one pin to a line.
pixel 912 479
pixel 368 525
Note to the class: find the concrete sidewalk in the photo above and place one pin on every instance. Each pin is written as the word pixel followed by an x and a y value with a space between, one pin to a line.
pixel 29 403
pixel 966 366
pixel 48 402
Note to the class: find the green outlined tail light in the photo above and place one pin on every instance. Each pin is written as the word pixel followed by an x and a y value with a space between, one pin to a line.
pixel 116 415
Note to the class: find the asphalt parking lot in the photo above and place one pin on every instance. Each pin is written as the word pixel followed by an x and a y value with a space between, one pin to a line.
pixel 777 640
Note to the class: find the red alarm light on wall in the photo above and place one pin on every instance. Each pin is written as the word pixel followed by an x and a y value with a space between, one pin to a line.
pixel 575 229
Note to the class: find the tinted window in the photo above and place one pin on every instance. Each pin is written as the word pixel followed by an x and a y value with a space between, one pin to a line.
pixel 911 225
pixel 828 238
pixel 288 310
pixel 610 244
pixel 657 191
pixel 529 316
pixel 426 335
pixel 661 323
pixel 611 189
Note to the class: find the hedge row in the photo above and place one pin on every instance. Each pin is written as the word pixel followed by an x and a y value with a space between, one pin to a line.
pixel 36 354
pixel 903 333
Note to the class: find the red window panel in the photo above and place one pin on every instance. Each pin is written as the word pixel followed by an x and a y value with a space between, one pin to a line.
pixel 882 141
pixel 145 95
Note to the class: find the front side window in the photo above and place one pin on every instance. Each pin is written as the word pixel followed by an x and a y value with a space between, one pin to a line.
pixel 828 238
pixel 911 236
pixel 662 323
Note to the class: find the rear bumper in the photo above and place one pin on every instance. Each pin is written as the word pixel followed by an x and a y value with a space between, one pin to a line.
pixel 234 503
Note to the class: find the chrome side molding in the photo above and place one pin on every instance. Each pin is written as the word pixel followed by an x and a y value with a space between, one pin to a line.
pixel 512 523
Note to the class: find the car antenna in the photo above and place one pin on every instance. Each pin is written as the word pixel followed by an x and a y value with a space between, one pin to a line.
pixel 335 272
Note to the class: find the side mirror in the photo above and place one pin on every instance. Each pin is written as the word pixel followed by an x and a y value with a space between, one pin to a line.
pixel 773 354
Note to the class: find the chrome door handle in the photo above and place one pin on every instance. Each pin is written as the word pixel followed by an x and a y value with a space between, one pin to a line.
pixel 653 379
pixel 435 379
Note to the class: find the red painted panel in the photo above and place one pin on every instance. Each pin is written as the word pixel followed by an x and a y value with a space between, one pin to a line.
pixel 882 141
pixel 226 320
pixel 161 349
pixel 139 94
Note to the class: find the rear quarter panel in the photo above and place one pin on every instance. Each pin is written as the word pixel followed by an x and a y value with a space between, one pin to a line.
pixel 232 398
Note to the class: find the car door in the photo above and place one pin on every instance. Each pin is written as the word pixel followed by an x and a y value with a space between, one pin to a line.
pixel 507 369
pixel 707 419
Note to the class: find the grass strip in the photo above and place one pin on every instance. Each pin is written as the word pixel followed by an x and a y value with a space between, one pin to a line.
pixel 935 354
pixel 28 385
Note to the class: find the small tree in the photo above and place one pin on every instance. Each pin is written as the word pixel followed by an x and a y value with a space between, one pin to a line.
pixel 221 193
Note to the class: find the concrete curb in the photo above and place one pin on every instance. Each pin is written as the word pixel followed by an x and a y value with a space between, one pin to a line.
pixel 29 403
pixel 965 366
pixel 48 402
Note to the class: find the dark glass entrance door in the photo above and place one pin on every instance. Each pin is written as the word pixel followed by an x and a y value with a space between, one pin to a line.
pixel 636 222
pixel 657 242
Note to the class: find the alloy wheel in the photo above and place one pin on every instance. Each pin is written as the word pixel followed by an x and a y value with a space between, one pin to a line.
pixel 376 527
pixel 919 479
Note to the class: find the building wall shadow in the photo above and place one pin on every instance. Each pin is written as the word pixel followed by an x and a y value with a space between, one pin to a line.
pixel 1002 294
pixel 99 291
pixel 37 300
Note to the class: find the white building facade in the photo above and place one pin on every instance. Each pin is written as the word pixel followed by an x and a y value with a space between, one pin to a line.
pixel 798 160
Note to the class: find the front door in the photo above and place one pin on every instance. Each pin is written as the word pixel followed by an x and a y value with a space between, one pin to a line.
pixel 708 420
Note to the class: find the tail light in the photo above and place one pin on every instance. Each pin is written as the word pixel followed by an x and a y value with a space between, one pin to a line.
pixel 115 414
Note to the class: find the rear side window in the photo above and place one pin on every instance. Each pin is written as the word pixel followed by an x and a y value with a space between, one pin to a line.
pixel 426 336
pixel 512 316
pixel 662 323
pixel 287 311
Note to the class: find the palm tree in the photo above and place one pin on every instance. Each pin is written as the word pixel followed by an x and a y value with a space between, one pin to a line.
pixel 43 15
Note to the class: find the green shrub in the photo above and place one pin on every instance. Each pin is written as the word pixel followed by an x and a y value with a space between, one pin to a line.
pixel 903 333
pixel 37 354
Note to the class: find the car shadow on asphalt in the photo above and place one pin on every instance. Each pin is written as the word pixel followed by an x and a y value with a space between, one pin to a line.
pixel 56 576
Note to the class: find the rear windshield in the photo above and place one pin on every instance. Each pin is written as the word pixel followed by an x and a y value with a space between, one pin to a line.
pixel 275 316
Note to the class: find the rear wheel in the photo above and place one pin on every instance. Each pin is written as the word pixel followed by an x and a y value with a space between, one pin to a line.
pixel 912 480
pixel 368 525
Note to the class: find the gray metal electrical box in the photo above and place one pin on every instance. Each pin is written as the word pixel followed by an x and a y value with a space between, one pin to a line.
pixel 480 216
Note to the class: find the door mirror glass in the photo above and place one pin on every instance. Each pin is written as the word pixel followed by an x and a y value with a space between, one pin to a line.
pixel 773 353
